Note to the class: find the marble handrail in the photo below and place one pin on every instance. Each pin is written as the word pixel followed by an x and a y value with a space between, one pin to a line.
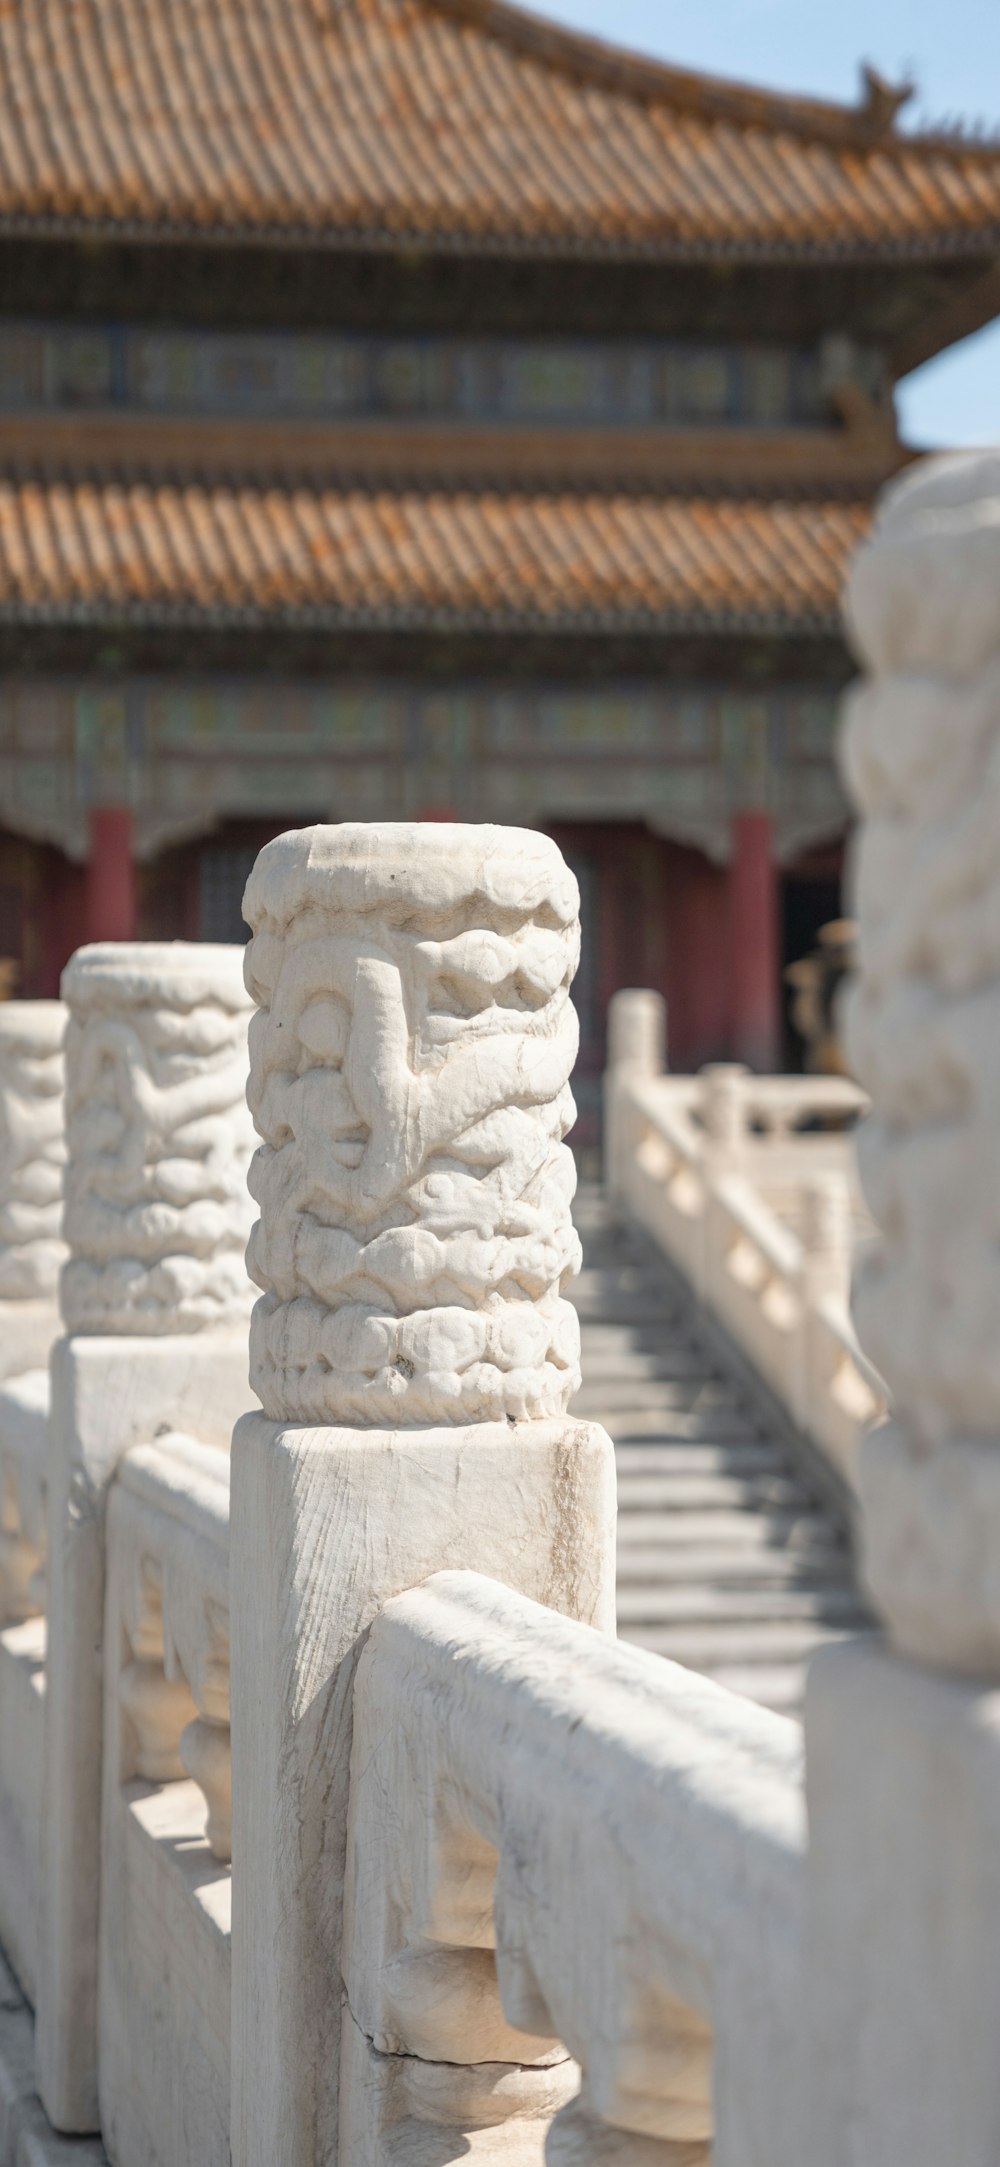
pixel 574 1889
pixel 760 1213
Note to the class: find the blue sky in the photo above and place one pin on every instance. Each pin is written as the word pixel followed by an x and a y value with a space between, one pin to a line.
pixel 951 48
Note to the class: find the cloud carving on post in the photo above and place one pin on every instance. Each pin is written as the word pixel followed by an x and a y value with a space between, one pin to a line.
pixel 32 1148
pixel 409 1077
pixel 157 1209
pixel 922 756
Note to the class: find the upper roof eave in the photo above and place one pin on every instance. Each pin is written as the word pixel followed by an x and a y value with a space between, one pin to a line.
pixel 930 247
pixel 451 125
pixel 648 80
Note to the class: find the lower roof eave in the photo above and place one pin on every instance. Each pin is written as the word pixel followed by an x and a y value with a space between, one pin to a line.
pixel 108 616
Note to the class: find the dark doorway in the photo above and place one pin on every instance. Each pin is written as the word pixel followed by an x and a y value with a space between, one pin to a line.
pixel 811 897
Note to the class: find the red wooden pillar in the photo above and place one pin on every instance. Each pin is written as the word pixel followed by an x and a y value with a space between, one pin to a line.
pixel 110 900
pixel 754 1004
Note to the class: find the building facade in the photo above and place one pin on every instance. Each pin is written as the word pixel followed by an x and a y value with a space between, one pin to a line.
pixel 410 409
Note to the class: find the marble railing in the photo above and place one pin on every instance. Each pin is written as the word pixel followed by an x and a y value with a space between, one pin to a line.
pixel 501 1889
pixel 749 1185
pixel 153 1138
pixel 166 1814
pixel 574 1898
pixel 562 1853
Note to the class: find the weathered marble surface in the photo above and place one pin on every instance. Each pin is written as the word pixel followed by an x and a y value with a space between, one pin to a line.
pixel 556 1847
pixel 32 1148
pixel 157 1213
pixel 410 1078
pixel 901 1981
pixel 922 755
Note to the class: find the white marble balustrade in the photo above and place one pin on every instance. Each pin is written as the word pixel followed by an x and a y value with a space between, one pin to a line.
pixel 748 1184
pixel 574 1890
pixel 166 1838
pixel 501 1889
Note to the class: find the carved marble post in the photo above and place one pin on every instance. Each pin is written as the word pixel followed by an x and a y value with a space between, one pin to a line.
pixel 413 1350
pixel 32 1151
pixel 904 1755
pixel 155 1302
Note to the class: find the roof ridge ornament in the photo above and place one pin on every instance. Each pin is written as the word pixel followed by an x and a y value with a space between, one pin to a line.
pixel 881 101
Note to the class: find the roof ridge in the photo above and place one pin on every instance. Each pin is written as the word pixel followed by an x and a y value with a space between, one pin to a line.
pixel 653 81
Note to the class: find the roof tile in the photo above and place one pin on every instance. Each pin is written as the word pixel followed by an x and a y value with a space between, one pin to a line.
pixel 162 550
pixel 461 121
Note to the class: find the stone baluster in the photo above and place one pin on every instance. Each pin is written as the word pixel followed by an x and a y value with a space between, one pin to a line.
pixel 903 1735
pixel 637 1032
pixel 155 1302
pixel 826 1234
pixel 415 1355
pixel 637 1048
pixel 206 1754
pixel 723 1110
pixel 157 1710
pixel 722 1106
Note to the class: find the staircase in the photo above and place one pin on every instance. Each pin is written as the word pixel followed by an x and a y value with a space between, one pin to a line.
pixel 728 1560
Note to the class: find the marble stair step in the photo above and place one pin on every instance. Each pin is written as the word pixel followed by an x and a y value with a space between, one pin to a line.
pixel 729 1566
pixel 779 1687
pixel 694 1603
pixel 737 1459
pixel 667 1365
pixel 728 1562
pixel 713 1645
pixel 608 1340
pixel 674 1490
pixel 615 1397
pixel 724 1424
pixel 787 1534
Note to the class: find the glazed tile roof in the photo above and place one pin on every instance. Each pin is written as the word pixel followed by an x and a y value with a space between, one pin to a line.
pixel 454 121
pixel 409 559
